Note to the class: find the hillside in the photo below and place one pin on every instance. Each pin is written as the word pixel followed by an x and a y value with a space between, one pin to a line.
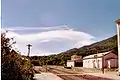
pixel 102 46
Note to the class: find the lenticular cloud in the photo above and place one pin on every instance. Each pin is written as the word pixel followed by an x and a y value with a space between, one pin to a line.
pixel 52 41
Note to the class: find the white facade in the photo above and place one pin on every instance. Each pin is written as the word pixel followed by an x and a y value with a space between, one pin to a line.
pixel 70 63
pixel 76 61
pixel 106 60
pixel 92 63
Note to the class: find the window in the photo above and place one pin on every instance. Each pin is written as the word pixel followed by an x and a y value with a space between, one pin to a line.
pixel 88 61
pixel 98 60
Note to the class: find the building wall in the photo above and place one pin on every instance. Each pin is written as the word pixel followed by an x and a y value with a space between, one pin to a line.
pixel 69 64
pixel 110 60
pixel 112 63
pixel 92 63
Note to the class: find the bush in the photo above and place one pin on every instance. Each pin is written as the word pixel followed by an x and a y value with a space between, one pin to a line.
pixel 14 67
pixel 35 62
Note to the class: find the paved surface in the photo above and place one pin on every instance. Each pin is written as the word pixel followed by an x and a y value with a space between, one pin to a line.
pixel 46 76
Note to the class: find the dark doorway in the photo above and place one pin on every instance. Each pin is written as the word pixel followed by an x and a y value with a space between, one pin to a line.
pixel 78 64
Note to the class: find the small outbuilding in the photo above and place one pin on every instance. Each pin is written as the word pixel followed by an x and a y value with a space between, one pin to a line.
pixel 75 61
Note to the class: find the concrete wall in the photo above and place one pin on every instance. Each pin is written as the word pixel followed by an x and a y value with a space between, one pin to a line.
pixel 92 63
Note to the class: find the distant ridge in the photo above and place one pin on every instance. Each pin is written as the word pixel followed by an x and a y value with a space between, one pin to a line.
pixel 101 46
pixel 109 44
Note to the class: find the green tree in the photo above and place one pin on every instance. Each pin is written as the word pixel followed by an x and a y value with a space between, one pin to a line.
pixel 13 67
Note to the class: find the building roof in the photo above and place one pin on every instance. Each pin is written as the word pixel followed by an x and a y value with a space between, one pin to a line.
pixel 97 55
pixel 74 56
pixel 12 52
pixel 74 60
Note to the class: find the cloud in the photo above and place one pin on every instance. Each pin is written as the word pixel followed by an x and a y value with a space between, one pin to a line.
pixel 50 41
pixel 36 28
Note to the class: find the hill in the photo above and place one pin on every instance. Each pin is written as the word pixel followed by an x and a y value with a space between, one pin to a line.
pixel 102 46
pixel 109 44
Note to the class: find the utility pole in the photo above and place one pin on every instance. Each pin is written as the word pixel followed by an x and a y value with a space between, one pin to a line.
pixel 29 45
pixel 45 62
pixel 118 39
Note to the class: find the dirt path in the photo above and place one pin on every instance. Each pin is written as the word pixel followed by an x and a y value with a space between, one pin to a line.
pixel 63 74
pixel 74 76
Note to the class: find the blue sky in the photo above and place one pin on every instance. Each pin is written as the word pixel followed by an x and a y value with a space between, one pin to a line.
pixel 92 17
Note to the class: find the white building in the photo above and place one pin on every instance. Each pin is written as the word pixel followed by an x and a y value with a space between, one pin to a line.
pixel 75 61
pixel 70 63
pixel 106 59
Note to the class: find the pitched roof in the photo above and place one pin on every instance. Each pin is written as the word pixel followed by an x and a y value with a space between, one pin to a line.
pixel 13 51
pixel 93 55
pixel 74 56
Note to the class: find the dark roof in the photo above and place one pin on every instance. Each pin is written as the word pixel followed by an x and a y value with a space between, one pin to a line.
pixel 13 52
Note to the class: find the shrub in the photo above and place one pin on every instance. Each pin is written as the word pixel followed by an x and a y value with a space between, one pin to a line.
pixel 14 67
pixel 35 62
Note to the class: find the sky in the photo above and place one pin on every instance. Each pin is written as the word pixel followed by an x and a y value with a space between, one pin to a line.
pixel 54 26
